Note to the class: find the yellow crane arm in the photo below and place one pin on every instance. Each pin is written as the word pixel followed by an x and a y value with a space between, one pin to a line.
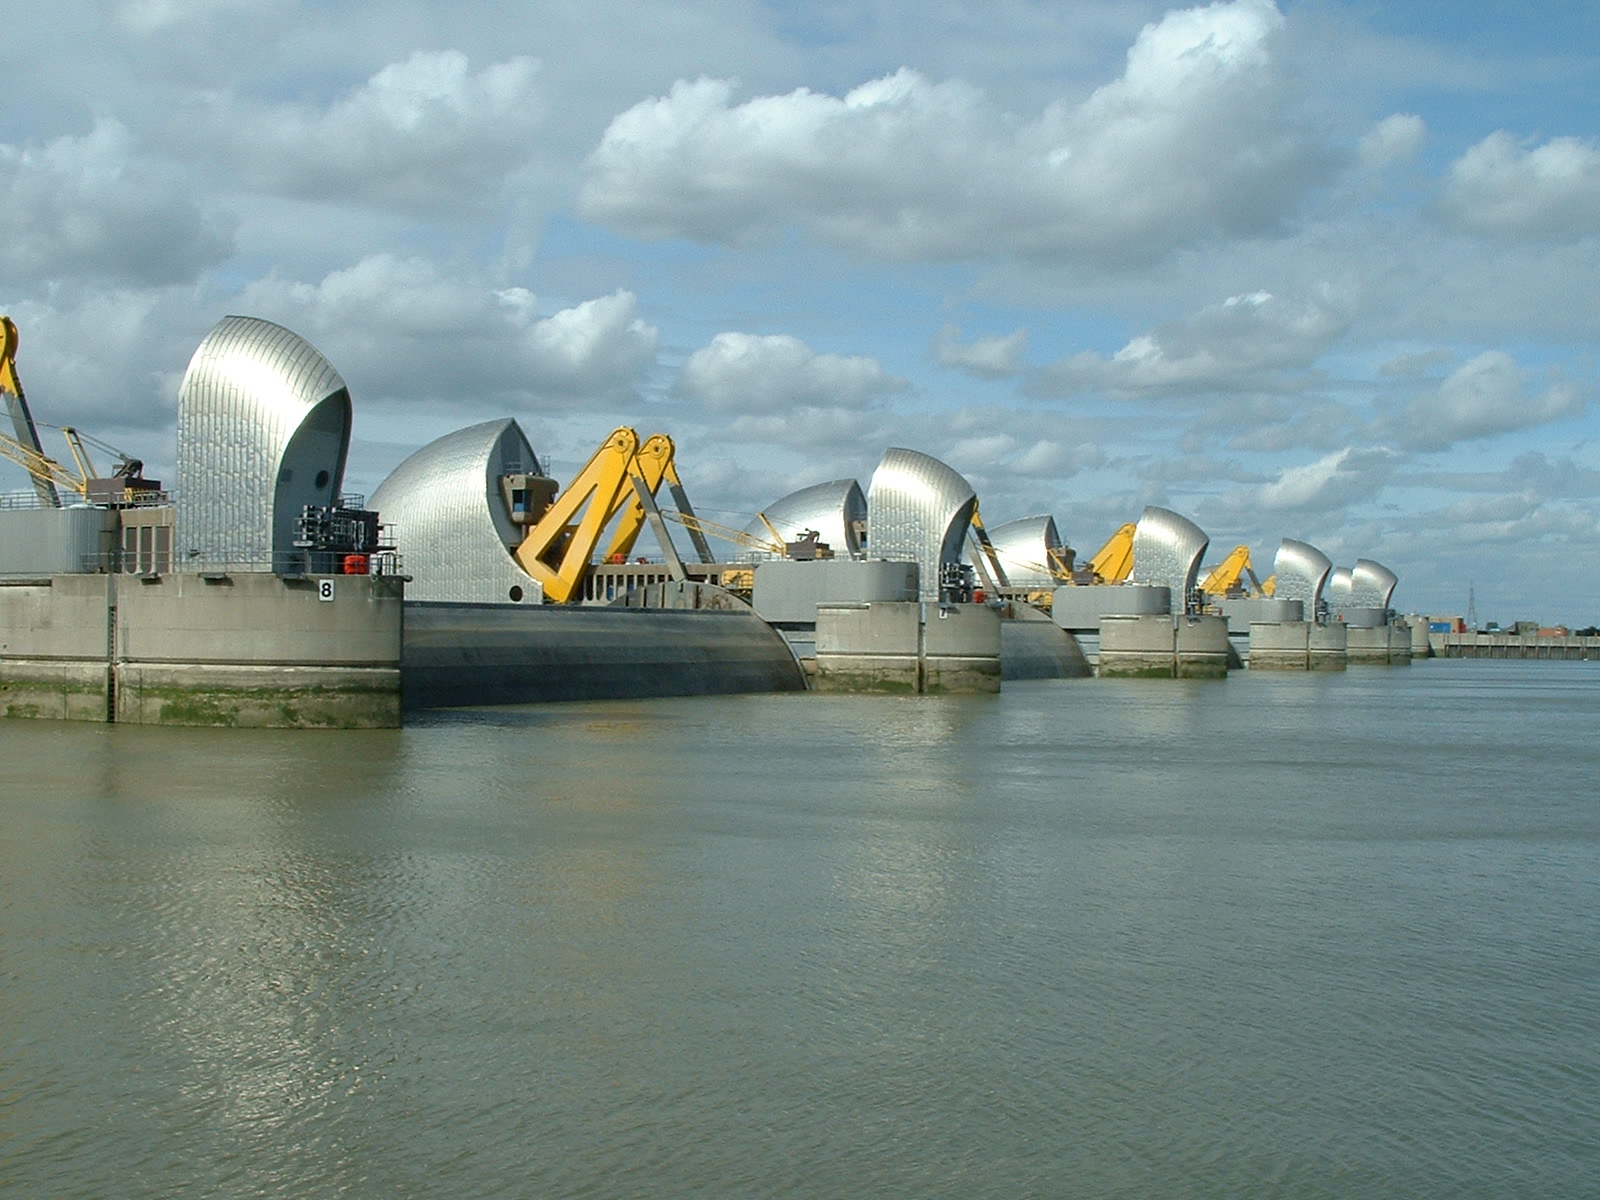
pixel 24 449
pixel 651 465
pixel 43 469
pixel 558 548
pixel 1225 576
pixel 1113 562
pixel 1270 587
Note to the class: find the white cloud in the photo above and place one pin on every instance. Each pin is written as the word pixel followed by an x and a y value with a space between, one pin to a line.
pixel 1550 191
pixel 1395 139
pixel 987 358
pixel 1482 397
pixel 406 329
pixel 1345 477
pixel 1194 140
pixel 426 135
pixel 1247 341
pixel 88 207
pixel 749 374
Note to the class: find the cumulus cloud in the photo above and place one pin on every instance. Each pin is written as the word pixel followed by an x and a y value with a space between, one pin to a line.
pixel 1335 481
pixel 1245 342
pixel 1395 139
pixel 747 373
pixel 1483 397
pixel 987 358
pixel 1195 139
pixel 1501 187
pixel 405 328
pixel 427 135
pixel 88 207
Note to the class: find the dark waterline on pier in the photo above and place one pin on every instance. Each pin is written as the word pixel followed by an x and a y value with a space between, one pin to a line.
pixel 1325 935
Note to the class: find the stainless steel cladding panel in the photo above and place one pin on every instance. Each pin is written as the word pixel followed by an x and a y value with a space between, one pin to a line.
pixel 831 508
pixel 1167 549
pixel 1337 591
pixel 1024 547
pixel 444 510
pixel 263 430
pixel 1371 584
pixel 1302 572
pixel 918 510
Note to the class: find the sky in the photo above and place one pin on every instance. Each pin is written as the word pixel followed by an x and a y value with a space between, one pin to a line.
pixel 1319 270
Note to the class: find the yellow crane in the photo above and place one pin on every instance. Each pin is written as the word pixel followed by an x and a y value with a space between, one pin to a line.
pixel 1113 562
pixel 24 449
pixel 726 533
pixel 1225 577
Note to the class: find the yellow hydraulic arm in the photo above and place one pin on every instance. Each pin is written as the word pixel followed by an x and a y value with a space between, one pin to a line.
pixel 651 464
pixel 1113 562
pixel 557 550
pixel 24 449
pixel 1225 577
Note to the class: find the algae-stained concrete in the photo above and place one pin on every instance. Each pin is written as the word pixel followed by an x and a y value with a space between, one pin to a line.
pixel 1202 647
pixel 1138 647
pixel 243 649
pixel 1280 646
pixel 1326 646
pixel 896 646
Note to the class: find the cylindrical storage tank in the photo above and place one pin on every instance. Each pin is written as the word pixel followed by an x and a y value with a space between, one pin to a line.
pixel 1202 647
pixel 1280 646
pixel 1326 647
pixel 1144 647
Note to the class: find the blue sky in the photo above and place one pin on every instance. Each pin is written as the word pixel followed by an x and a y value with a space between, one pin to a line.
pixel 1322 270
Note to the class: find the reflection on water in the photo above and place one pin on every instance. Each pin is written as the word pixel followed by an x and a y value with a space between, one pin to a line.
pixel 1326 935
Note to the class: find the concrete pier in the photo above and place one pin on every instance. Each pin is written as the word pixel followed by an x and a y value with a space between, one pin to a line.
pixel 1327 647
pixel 1163 647
pixel 907 647
pixel 1368 645
pixel 1280 646
pixel 225 649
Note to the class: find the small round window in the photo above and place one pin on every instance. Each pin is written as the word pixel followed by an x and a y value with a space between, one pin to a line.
pixel 516 595
pixel 322 479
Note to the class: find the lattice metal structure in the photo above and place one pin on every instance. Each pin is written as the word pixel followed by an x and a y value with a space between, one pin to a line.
pixel 918 510
pixel 263 431
pixel 834 509
pixel 1030 549
pixel 1371 584
pixel 1167 550
pixel 444 511
pixel 1302 572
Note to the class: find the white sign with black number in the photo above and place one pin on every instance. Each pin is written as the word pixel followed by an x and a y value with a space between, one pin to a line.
pixel 324 589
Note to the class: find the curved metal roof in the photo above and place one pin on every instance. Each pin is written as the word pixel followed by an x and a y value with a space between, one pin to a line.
pixel 1024 547
pixel 1167 549
pixel 1371 584
pixel 263 430
pixel 444 510
pixel 1337 589
pixel 918 510
pixel 1302 572
pixel 831 508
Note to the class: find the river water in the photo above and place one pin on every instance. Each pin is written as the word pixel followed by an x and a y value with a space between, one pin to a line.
pixel 1286 935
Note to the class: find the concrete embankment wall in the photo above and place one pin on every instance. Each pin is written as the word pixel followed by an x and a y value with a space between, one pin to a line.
pixel 239 649
pixel 469 654
pixel 1511 645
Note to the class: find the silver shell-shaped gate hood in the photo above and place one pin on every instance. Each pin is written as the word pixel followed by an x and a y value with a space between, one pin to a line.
pixel 1371 584
pixel 833 509
pixel 1167 549
pixel 263 431
pixel 918 510
pixel 443 508
pixel 1337 590
pixel 1024 547
pixel 1302 571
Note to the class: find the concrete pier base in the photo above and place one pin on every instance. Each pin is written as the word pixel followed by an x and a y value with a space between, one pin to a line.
pixel 907 647
pixel 1280 646
pixel 1326 647
pixel 226 649
pixel 1401 643
pixel 1420 646
pixel 1142 647
pixel 1368 645
pixel 1202 647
